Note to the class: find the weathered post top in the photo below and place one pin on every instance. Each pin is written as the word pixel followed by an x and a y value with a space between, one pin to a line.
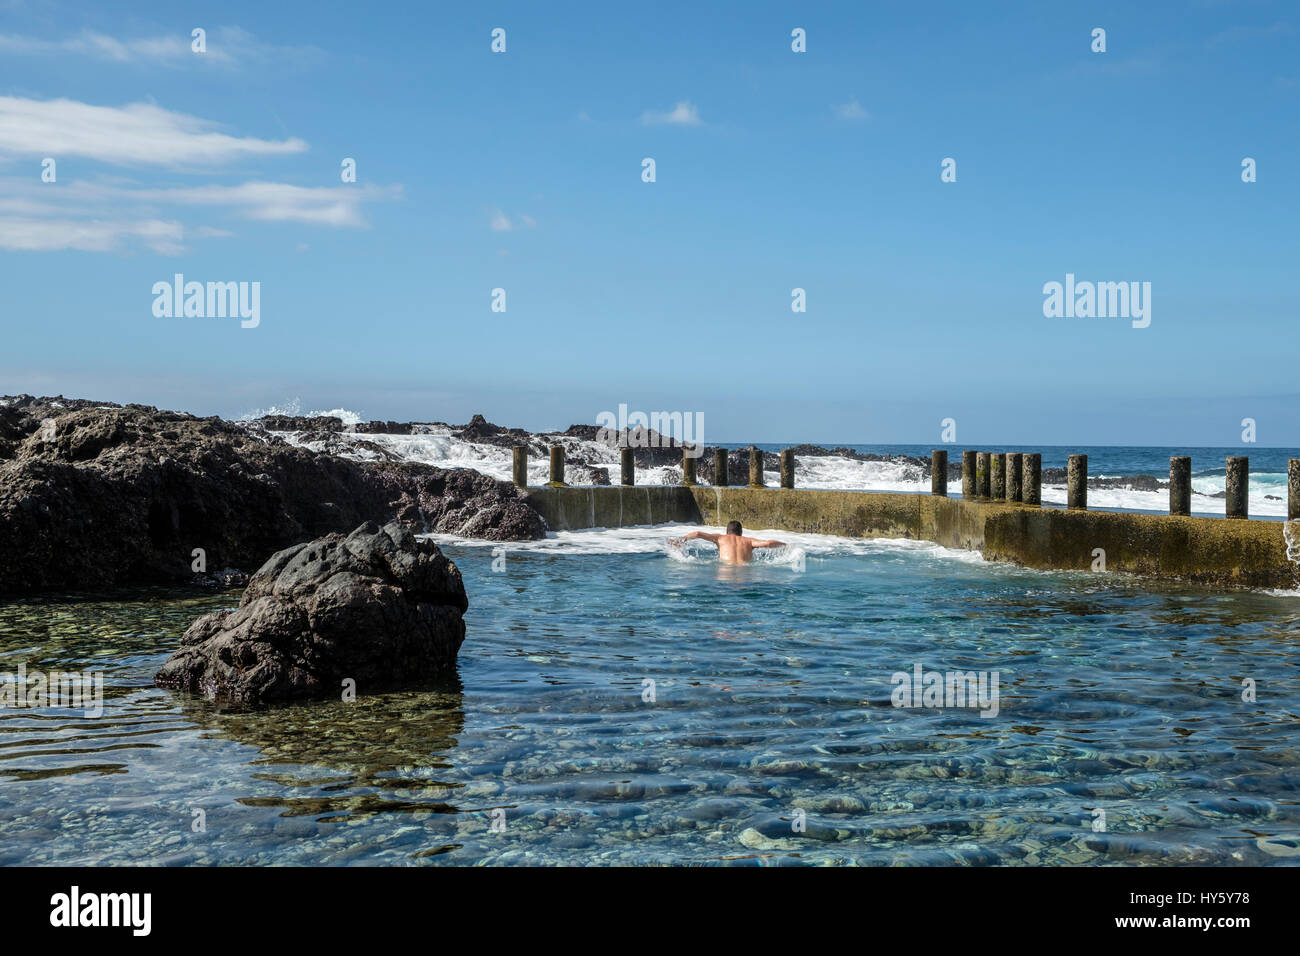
pixel 1293 489
pixel 1180 485
pixel 983 481
pixel 968 475
pixel 627 464
pixel 1032 478
pixel 998 461
pixel 557 467
pixel 519 465
pixel 1076 492
pixel 720 467
pixel 1015 472
pixel 939 472
pixel 688 467
pixel 755 468
pixel 1237 488
pixel 787 468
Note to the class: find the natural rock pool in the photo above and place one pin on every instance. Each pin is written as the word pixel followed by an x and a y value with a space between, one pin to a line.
pixel 768 734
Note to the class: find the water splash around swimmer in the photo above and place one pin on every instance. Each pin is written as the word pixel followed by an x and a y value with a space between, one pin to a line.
pixel 690 550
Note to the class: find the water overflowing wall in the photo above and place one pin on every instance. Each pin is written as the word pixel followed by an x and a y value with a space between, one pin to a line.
pixel 1213 551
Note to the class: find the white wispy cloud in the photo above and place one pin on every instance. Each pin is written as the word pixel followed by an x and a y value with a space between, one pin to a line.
pixel 21 234
pixel 224 45
pixel 278 202
pixel 135 134
pixel 852 110
pixel 683 114
pixel 500 222
pixel 101 46
pixel 112 217
pixel 116 213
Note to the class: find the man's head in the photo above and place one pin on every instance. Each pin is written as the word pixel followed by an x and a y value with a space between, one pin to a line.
pixel 733 527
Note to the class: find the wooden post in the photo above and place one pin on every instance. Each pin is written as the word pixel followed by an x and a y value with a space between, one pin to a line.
pixel 688 467
pixel 939 472
pixel 1076 476
pixel 968 462
pixel 1237 486
pixel 1180 485
pixel 720 467
pixel 755 468
pixel 1032 478
pixel 1293 489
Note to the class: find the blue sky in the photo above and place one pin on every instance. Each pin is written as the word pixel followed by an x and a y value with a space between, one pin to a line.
pixel 774 170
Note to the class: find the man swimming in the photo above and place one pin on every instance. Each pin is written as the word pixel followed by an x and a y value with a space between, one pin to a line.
pixel 733 546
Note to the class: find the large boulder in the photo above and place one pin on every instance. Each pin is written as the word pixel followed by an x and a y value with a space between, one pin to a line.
pixel 378 606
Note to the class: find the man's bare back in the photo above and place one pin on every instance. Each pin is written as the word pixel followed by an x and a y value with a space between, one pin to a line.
pixel 734 547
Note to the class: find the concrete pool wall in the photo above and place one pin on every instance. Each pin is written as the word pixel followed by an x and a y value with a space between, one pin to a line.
pixel 1218 551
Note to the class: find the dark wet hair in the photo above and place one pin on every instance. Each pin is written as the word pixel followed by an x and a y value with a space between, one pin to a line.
pixel 733 527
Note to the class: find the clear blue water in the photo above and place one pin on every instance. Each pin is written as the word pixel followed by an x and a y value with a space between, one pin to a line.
pixel 772 697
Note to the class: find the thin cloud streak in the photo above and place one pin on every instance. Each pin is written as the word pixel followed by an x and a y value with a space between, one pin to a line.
pixel 138 133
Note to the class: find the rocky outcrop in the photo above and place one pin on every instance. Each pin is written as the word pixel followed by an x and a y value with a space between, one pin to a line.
pixel 377 607
pixel 483 431
pixel 301 423
pixel 95 495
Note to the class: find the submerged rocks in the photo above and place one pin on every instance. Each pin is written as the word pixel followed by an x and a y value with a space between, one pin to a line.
pixel 378 607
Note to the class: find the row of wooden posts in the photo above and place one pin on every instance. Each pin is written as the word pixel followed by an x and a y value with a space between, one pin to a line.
pixel 987 476
pixel 627 465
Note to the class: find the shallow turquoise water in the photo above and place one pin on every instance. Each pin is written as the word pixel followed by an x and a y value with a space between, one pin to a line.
pixel 771 709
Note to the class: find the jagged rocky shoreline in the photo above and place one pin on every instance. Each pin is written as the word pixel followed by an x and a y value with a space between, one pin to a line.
pixel 96 494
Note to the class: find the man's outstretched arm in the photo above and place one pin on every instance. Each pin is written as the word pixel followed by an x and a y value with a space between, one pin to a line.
pixel 766 544
pixel 712 538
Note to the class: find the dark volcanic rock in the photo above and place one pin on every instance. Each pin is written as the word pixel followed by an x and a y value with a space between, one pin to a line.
pixel 484 432
pixel 381 428
pixel 480 428
pixel 1059 476
pixel 378 607
pixel 738 466
pixel 301 423
pixel 650 449
pixel 93 496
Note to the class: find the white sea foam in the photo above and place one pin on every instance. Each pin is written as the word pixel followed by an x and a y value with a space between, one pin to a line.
pixel 293 409
pixel 1202 504
pixel 653 539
